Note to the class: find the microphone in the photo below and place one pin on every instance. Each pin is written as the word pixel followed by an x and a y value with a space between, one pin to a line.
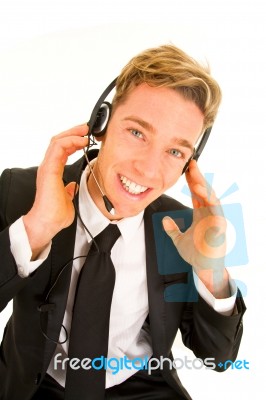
pixel 108 205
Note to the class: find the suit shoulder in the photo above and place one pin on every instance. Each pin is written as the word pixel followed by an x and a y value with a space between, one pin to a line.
pixel 18 180
pixel 17 191
pixel 167 203
pixel 18 172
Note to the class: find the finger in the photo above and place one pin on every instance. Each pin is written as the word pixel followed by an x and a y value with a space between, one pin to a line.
pixel 171 229
pixel 202 193
pixel 72 189
pixel 79 130
pixel 67 145
pixel 59 150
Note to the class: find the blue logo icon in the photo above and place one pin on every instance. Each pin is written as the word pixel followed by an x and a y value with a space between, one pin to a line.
pixel 171 263
pixel 237 249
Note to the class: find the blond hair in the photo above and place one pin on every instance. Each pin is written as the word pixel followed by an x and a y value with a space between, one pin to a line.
pixel 170 67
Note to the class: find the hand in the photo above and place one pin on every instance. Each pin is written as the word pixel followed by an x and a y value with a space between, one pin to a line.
pixel 53 208
pixel 203 245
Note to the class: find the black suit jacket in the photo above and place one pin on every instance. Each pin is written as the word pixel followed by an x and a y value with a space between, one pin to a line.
pixel 25 353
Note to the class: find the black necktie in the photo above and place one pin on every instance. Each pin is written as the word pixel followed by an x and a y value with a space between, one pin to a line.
pixel 90 322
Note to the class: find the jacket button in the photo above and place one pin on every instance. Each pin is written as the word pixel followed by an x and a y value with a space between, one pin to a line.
pixel 38 378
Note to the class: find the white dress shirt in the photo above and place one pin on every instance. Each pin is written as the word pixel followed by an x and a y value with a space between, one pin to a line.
pixel 129 307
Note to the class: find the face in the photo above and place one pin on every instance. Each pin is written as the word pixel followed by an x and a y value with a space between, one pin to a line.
pixel 149 139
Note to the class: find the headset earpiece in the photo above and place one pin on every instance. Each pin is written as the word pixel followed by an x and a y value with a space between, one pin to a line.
pixel 100 125
pixel 101 113
pixel 197 151
pixel 186 165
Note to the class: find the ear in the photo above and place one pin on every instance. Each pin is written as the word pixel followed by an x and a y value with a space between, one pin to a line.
pixel 100 139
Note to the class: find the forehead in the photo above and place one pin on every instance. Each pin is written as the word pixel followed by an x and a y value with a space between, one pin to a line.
pixel 162 109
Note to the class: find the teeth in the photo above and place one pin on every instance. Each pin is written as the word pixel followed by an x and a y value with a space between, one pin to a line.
pixel 132 187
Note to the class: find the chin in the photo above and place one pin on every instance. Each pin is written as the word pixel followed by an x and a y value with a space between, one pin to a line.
pixel 125 212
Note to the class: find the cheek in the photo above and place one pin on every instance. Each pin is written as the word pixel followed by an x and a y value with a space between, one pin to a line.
pixel 171 178
pixel 117 157
pixel 112 149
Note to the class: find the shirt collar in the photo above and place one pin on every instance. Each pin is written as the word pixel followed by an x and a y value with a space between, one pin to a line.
pixel 96 222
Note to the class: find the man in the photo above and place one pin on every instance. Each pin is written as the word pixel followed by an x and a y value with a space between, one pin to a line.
pixel 50 217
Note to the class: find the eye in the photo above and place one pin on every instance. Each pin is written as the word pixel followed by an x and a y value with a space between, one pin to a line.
pixel 136 133
pixel 176 153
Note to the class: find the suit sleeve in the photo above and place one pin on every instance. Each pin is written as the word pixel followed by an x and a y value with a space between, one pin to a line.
pixel 15 201
pixel 210 334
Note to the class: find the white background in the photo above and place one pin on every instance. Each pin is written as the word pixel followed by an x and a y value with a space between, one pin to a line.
pixel 56 57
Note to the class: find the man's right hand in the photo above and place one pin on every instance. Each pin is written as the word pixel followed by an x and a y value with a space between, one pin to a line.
pixel 53 208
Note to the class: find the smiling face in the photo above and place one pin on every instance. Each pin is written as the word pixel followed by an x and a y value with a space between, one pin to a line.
pixel 150 137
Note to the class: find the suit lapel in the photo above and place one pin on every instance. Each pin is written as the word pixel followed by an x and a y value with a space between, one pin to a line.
pixel 155 282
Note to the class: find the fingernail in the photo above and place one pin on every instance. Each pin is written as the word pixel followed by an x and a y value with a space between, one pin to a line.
pixel 168 224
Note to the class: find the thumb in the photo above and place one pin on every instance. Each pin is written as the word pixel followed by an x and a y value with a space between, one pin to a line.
pixel 171 229
pixel 72 189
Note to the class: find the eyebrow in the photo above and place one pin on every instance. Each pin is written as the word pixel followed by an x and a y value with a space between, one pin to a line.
pixel 183 143
pixel 146 125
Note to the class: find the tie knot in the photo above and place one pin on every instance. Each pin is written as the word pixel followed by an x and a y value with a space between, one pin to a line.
pixel 107 238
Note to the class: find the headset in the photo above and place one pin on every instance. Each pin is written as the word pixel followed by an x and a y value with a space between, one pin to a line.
pixel 102 111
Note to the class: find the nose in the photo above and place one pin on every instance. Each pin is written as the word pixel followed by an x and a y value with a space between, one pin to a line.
pixel 148 165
